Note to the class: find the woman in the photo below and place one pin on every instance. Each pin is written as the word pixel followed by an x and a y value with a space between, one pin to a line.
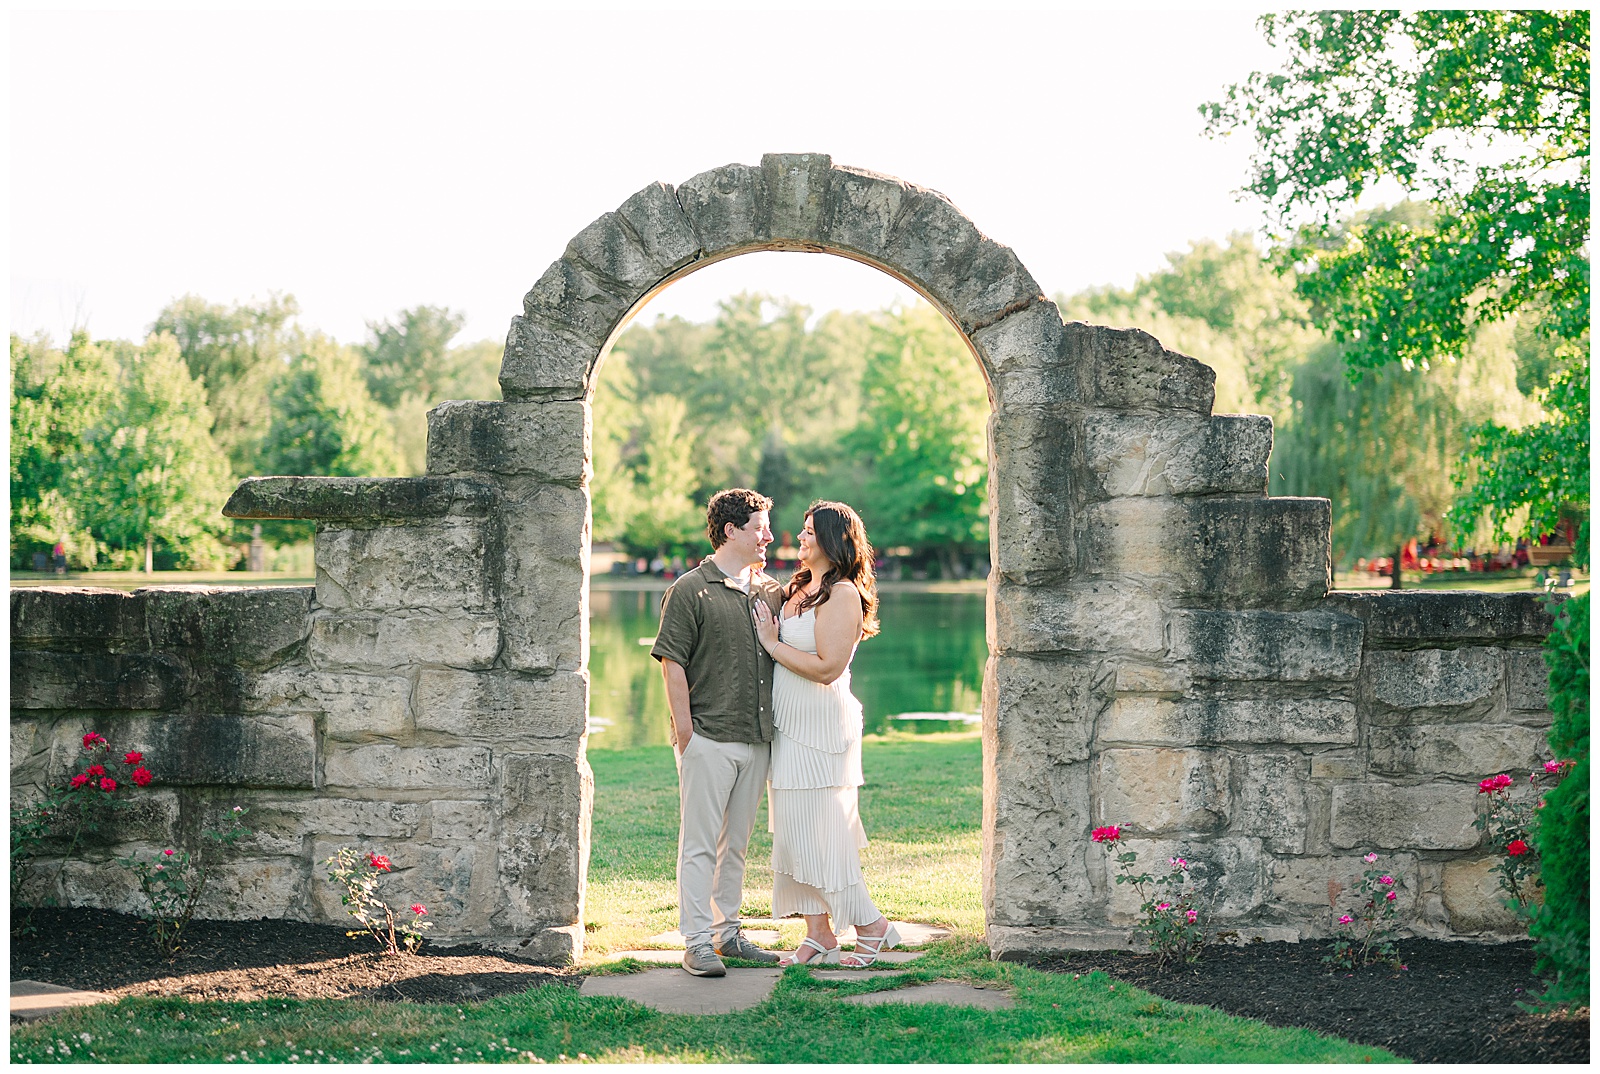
pixel 829 606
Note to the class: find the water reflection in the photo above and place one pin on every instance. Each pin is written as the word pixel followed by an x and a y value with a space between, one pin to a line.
pixel 928 662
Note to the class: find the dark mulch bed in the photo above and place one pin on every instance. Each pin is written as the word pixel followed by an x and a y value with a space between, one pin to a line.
pixel 1453 1003
pixel 248 960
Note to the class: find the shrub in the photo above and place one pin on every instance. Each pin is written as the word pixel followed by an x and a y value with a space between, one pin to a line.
pixel 1561 927
pixel 360 882
pixel 1368 935
pixel 1172 917
pixel 174 881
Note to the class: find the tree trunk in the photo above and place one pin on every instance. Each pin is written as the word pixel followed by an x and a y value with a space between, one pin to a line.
pixel 1394 582
pixel 149 554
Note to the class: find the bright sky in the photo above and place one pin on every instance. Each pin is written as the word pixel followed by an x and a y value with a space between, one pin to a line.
pixel 366 162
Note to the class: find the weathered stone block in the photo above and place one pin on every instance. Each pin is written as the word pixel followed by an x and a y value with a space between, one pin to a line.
pixel 1159 681
pixel 1138 455
pixel 797 195
pixel 1273 552
pixel 72 618
pixel 657 221
pixel 353 706
pixel 438 566
pixel 505 707
pixel 1037 819
pixel 256 888
pixel 1044 708
pixel 578 302
pixel 1130 370
pixel 541 361
pixel 610 249
pixel 1026 361
pixel 1309 888
pixel 1213 721
pixel 1164 790
pixel 358 499
pixel 1035 482
pixel 1091 616
pixel 992 287
pixel 932 243
pixel 460 820
pixel 259 750
pixel 251 626
pixel 1271 803
pixel 862 207
pixel 1474 901
pixel 1470 750
pixel 1431 618
pixel 1337 764
pixel 282 824
pixel 453 882
pixel 96 680
pixel 1433 816
pixel 1312 646
pixel 1434 678
pixel 548 440
pixel 726 207
pixel 1527 681
pixel 543 847
pixel 350 641
pixel 544 611
pixel 406 767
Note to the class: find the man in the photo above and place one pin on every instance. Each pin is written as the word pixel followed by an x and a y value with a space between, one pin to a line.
pixel 719 689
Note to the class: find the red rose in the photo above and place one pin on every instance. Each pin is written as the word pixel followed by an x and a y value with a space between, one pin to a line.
pixel 1109 834
pixel 108 784
pixel 96 770
pixel 132 757
pixel 378 861
pixel 79 780
pixel 1516 848
pixel 420 910
pixel 91 739
pixel 141 776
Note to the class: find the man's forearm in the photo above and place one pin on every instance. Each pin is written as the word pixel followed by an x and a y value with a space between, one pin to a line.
pixel 678 702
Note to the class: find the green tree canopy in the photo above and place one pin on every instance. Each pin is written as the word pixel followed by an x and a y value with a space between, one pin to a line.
pixel 411 354
pixel 149 471
pixel 324 423
pixel 1483 115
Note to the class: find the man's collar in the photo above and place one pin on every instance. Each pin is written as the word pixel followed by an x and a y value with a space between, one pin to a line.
pixel 715 572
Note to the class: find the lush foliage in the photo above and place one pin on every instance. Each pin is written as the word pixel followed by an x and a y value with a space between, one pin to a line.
pixel 1511 821
pixel 885 411
pixel 173 881
pixel 1173 913
pixel 1365 933
pixel 1480 119
pixel 1561 929
pixel 358 876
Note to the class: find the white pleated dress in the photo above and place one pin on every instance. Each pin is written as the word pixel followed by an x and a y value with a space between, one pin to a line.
pixel 817 837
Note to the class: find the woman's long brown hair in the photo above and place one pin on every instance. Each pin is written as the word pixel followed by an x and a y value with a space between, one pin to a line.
pixel 842 537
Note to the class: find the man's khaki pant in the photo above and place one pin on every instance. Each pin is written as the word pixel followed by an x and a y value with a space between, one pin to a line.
pixel 719 790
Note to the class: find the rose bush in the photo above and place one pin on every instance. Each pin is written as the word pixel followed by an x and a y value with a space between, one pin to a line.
pixel 1367 935
pixel 1171 914
pixel 174 880
pixel 361 902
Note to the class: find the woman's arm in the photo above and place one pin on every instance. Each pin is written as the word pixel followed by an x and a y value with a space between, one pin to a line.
pixel 838 630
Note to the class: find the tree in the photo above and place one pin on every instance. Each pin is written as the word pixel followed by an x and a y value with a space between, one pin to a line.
pixel 664 514
pixel 923 414
pixel 411 354
pixel 234 352
pixel 324 423
pixel 149 471
pixel 1483 118
pixel 56 398
pixel 1481 114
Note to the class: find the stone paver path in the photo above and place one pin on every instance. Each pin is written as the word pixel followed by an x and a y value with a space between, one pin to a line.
pixel 676 992
pixel 764 931
pixel 954 993
pixel 31 1000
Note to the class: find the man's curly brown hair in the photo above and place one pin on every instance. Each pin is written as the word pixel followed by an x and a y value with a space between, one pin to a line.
pixel 732 505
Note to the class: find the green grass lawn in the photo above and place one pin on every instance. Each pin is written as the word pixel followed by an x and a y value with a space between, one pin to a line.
pixel 922 809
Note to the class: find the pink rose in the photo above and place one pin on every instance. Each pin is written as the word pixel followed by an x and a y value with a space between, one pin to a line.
pixel 1163 906
pixel 379 862
pixel 1370 858
pixel 1390 896
pixel 1552 767
pixel 419 909
pixel 1494 783
pixel 1344 919
pixel 1193 916
pixel 1109 834
pixel 1385 879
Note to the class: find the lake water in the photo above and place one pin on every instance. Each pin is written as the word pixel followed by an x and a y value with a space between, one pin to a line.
pixel 928 662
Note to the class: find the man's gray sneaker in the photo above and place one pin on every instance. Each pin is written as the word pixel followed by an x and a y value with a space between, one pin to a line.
pixel 736 946
pixel 702 961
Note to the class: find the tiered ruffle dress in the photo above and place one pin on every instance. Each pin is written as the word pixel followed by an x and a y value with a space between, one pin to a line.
pixel 817 835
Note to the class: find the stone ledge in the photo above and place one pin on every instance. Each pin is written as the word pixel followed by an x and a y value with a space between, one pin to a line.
pixel 1402 620
pixel 357 499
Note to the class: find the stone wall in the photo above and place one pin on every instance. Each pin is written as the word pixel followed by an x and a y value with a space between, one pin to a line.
pixel 1164 651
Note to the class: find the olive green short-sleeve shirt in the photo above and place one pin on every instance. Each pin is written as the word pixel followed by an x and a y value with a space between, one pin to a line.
pixel 707 629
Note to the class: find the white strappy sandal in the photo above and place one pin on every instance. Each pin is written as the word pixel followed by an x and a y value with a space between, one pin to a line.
pixel 825 956
pixel 869 947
